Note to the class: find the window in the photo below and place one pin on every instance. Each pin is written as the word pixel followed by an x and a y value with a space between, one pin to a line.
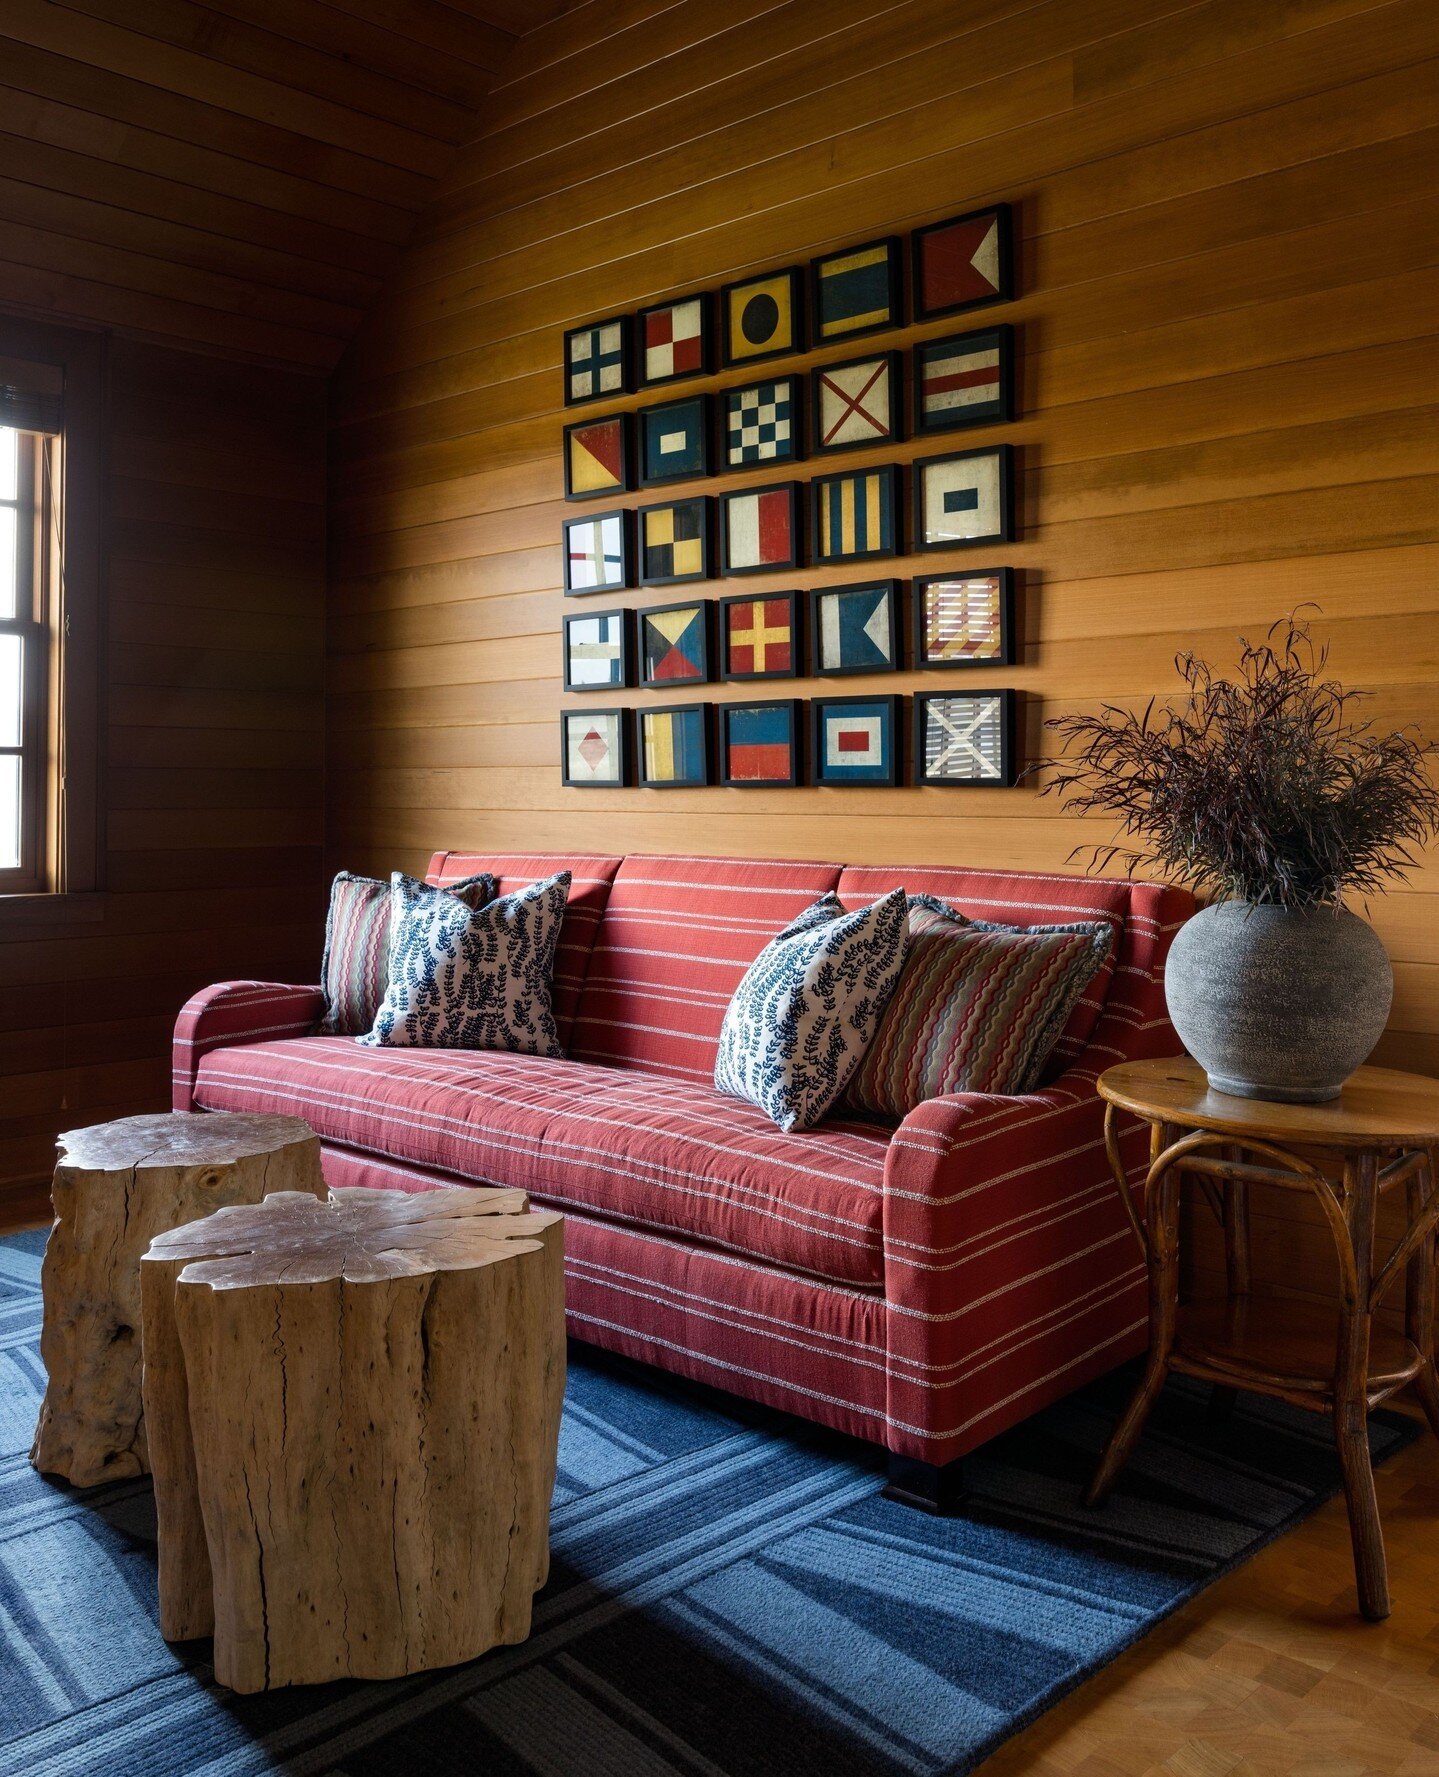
pixel 26 523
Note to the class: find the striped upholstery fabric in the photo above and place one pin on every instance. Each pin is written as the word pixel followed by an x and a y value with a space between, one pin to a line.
pixel 1018 900
pixel 236 1012
pixel 677 936
pixel 590 879
pixel 658 1153
pixel 974 1010
pixel 1007 1273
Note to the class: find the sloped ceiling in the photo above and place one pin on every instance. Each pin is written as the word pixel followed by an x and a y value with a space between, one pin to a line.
pixel 236 176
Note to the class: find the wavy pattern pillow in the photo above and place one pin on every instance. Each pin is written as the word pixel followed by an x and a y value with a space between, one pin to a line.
pixel 808 1004
pixel 355 969
pixel 977 1008
pixel 472 977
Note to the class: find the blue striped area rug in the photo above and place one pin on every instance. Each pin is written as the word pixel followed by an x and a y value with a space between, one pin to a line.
pixel 730 1595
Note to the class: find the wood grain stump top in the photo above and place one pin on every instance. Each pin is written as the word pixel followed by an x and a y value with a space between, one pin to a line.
pixel 116 1186
pixel 354 1414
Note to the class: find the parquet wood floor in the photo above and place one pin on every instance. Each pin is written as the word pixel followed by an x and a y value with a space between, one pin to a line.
pixel 1270 1673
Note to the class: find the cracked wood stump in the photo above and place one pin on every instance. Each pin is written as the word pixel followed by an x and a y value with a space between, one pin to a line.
pixel 116 1187
pixel 354 1412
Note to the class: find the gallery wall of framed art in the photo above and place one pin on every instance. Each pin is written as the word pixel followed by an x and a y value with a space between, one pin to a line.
pixel 707 399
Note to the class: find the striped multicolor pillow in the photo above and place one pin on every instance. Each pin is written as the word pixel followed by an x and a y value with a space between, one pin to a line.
pixel 977 1008
pixel 356 967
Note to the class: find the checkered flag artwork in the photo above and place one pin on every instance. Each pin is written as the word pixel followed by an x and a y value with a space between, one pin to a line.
pixel 761 424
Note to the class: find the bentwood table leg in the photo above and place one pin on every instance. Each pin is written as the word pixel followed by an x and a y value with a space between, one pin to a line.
pixel 1419 1295
pixel 1237 1271
pixel 1161 1210
pixel 1351 1391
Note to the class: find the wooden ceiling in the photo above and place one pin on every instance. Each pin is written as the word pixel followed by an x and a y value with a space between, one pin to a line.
pixel 236 176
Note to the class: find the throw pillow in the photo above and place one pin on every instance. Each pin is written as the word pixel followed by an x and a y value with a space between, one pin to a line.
pixel 355 968
pixel 808 1004
pixel 1084 1014
pixel 472 977
pixel 977 1008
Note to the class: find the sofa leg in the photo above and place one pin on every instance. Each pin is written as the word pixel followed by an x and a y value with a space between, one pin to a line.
pixel 927 1486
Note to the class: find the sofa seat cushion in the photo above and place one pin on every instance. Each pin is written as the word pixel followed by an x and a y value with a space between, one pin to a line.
pixel 656 1152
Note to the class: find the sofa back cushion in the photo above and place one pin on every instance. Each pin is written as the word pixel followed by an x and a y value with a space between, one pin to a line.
pixel 1016 900
pixel 676 937
pixel 590 879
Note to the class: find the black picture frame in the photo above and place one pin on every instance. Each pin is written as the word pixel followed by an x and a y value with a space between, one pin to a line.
pixel 924 311
pixel 726 401
pixel 795 708
pixel 626 648
pixel 920 543
pixel 627 552
pixel 796 639
pixel 705 608
pixel 795 275
pixel 820 595
pixel 894 286
pixel 1008 709
pixel 887 779
pixel 991 413
pixel 652 475
pixel 627 370
pixel 622 735
pixel 643 379
pixel 817 487
pixel 1004 578
pixel 792 562
pixel 893 363
pixel 705 504
pixel 646 782
pixel 627 457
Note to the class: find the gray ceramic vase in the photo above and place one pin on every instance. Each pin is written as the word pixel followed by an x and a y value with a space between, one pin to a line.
pixel 1275 1004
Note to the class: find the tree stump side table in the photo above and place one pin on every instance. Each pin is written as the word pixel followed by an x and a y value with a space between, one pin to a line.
pixel 1379 1135
pixel 116 1187
pixel 354 1413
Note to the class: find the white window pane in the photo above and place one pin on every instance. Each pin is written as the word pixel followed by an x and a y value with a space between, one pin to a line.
pixel 9 811
pixel 11 688
pixel 9 463
pixel 7 561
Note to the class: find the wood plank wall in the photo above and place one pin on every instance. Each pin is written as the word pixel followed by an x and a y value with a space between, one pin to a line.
pixel 1227 228
pixel 214 538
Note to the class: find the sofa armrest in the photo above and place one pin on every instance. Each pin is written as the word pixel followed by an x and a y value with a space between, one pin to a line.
pixel 1011 1271
pixel 237 1012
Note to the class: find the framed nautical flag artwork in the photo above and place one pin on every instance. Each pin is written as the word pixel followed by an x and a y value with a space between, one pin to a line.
pixel 595 747
pixel 856 291
pixel 675 440
pixel 675 644
pixel 759 637
pixel 597 553
pixel 597 651
pixel 855 740
pixel 675 542
pixel 962 263
pixel 676 339
pixel 762 317
pixel 759 529
pixel 597 457
pixel 762 424
pixel 759 744
pixel 856 514
pixel 674 749
pixel 964 619
pixel 597 360
pixel 963 499
pixel 964 737
pixel 965 380
pixel 855 629
pixel 858 403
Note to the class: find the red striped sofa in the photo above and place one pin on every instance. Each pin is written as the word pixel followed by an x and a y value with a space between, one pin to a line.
pixel 922 1286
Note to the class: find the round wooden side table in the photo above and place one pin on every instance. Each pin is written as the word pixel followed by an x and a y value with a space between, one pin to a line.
pixel 1380 1135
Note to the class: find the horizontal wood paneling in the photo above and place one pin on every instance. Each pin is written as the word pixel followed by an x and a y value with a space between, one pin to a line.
pixel 1229 321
